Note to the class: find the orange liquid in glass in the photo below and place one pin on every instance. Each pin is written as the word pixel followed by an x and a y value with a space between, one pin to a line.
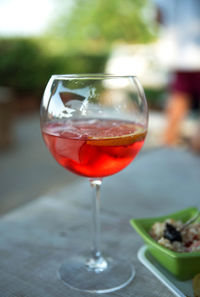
pixel 94 147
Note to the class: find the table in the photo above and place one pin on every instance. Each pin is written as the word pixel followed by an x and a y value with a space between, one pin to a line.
pixel 36 237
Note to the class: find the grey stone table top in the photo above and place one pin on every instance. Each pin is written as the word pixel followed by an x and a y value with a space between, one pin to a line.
pixel 36 237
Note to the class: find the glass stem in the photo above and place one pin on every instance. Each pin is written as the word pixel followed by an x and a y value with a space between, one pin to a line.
pixel 96 185
pixel 96 263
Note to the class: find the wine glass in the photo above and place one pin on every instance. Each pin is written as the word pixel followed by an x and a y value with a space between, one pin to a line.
pixel 94 125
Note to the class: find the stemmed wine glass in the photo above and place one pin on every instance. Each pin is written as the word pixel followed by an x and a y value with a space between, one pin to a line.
pixel 94 125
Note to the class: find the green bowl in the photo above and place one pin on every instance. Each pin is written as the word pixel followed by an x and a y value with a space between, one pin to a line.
pixel 182 265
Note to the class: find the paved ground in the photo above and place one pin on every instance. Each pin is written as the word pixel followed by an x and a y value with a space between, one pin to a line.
pixel 27 170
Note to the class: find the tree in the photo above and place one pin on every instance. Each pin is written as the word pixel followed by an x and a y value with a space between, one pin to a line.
pixel 94 25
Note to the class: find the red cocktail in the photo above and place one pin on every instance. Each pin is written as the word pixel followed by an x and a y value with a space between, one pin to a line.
pixel 94 147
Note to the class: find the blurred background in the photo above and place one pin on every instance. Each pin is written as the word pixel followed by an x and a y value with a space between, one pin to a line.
pixel 44 37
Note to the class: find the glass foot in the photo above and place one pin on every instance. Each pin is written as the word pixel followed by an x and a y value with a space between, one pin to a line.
pixel 106 275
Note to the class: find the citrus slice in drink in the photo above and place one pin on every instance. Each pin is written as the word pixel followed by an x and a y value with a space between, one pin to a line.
pixel 117 140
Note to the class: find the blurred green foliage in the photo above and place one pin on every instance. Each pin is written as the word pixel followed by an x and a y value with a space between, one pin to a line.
pixel 156 97
pixel 26 64
pixel 95 25
pixel 22 64
pixel 78 42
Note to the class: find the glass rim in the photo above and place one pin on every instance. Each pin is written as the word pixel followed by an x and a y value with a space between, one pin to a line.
pixel 91 76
